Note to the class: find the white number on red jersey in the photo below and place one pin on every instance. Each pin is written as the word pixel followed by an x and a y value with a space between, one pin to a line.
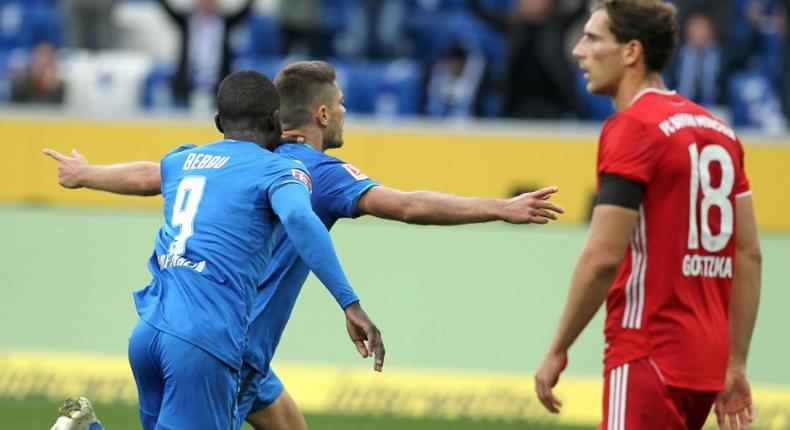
pixel 718 196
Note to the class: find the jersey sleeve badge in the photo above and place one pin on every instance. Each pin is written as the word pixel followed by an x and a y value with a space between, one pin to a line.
pixel 356 173
pixel 303 177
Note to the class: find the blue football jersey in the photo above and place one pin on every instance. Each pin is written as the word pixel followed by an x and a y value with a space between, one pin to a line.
pixel 215 243
pixel 337 186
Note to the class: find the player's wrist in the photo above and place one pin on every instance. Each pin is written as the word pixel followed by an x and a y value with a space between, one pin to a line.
pixel 736 365
pixel 83 177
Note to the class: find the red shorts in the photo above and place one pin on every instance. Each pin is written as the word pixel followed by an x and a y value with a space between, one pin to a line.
pixel 636 398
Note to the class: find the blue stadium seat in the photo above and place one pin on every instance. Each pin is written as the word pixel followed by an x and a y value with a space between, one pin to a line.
pixel 384 88
pixel 157 91
pixel 262 38
pixel 25 24
pixel 594 107
pixel 754 101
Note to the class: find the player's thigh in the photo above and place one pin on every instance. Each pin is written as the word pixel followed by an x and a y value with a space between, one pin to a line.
pixel 635 398
pixel 282 414
pixel 248 391
pixel 144 361
pixel 694 406
pixel 199 389
pixel 274 408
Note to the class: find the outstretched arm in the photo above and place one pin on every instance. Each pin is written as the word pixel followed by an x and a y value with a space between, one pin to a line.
pixel 735 402
pixel 610 230
pixel 140 178
pixel 291 203
pixel 428 207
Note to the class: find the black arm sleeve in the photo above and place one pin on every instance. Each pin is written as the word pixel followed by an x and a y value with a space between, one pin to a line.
pixel 619 191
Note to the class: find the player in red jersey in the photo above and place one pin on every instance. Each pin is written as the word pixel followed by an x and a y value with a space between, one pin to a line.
pixel 673 242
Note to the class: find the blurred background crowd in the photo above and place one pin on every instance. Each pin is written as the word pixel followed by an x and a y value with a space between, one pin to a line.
pixel 453 59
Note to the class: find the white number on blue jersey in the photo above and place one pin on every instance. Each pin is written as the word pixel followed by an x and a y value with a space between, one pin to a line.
pixel 190 192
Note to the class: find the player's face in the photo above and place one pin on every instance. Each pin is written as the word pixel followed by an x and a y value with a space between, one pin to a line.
pixel 600 55
pixel 333 137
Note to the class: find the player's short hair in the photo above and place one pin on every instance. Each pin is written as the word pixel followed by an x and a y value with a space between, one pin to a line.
pixel 246 96
pixel 303 86
pixel 651 22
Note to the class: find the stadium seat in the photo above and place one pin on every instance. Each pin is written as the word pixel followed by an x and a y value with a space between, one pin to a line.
pixel 260 39
pixel 383 88
pixel 754 103
pixel 157 91
pixel 269 66
pixel 105 83
pixel 594 107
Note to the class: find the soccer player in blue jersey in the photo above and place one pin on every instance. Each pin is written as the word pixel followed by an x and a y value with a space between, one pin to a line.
pixel 225 204
pixel 312 113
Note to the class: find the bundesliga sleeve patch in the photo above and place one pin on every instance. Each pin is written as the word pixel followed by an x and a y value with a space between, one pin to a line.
pixel 356 173
pixel 303 178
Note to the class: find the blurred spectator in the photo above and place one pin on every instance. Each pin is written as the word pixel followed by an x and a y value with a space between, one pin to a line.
pixel 719 13
pixel 783 27
pixel 41 81
pixel 753 65
pixel 88 23
pixel 205 54
pixel 539 79
pixel 301 28
pixel 453 84
pixel 753 40
pixel 696 74
pixel 375 29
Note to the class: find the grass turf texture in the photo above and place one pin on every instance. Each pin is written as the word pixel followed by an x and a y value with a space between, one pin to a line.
pixel 484 298
pixel 39 414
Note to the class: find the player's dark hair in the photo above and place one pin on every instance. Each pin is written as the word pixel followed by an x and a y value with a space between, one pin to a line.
pixel 303 86
pixel 651 22
pixel 246 98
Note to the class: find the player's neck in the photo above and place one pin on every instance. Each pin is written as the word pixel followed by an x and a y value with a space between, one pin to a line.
pixel 309 135
pixel 635 84
pixel 247 136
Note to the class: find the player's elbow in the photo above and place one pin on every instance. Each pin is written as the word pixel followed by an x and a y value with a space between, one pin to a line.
pixel 149 186
pixel 297 221
pixel 603 265
pixel 750 252
pixel 403 208
pixel 148 182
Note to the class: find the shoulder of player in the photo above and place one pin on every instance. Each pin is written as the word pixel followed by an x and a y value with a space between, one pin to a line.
pixel 625 119
pixel 180 149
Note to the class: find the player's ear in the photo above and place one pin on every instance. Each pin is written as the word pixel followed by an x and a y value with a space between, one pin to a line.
pixel 322 115
pixel 218 123
pixel 633 52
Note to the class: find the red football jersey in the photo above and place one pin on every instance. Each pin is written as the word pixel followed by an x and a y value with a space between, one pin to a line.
pixel 669 301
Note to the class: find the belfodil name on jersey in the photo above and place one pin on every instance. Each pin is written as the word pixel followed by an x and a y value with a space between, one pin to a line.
pixel 707 266
pixel 172 260
pixel 683 120
pixel 204 161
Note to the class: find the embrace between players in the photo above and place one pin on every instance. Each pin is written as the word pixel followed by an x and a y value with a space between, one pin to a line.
pixel 672 200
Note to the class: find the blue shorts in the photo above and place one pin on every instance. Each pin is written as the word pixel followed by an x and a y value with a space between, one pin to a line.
pixel 258 391
pixel 179 385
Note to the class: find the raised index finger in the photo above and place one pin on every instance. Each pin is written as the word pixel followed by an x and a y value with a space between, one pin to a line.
pixel 54 154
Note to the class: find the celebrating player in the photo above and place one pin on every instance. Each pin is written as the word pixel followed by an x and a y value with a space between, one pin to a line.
pixel 312 112
pixel 222 205
pixel 673 242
